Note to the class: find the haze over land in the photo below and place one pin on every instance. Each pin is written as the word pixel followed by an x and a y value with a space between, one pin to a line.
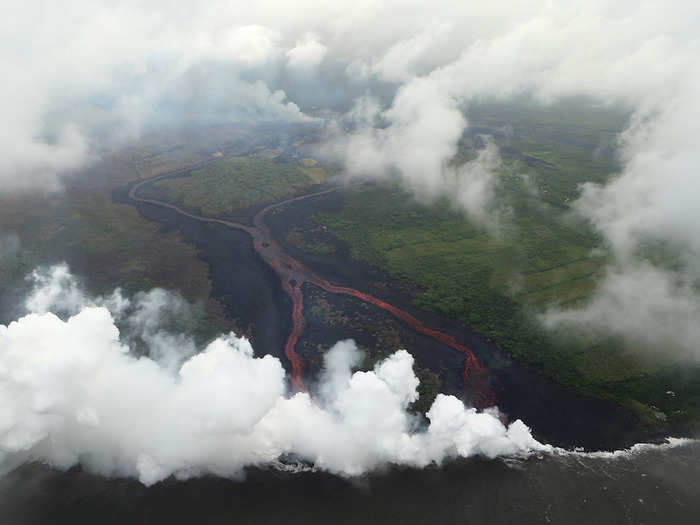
pixel 394 100
pixel 512 149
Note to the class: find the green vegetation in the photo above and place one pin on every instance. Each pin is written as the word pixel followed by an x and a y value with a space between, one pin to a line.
pixel 558 146
pixel 239 182
pixel 107 244
pixel 323 309
pixel 466 273
pixel 428 390
pixel 299 238
pixel 540 257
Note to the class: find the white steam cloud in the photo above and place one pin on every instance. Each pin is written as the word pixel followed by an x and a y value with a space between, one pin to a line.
pixel 656 310
pixel 56 289
pixel 143 317
pixel 72 392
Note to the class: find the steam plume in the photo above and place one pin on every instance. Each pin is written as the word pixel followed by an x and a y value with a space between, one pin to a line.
pixel 72 392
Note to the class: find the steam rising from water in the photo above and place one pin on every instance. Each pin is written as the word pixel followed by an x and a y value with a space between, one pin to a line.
pixel 71 391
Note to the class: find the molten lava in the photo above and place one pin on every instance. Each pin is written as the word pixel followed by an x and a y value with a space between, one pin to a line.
pixel 294 274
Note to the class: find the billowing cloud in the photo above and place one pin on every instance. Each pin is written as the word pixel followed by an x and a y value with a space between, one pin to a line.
pixel 55 289
pixel 654 310
pixel 649 210
pixel 395 81
pixel 250 44
pixel 307 54
pixel 642 55
pixel 71 391
pixel 89 74
pixel 93 68
pixel 403 60
pixel 556 51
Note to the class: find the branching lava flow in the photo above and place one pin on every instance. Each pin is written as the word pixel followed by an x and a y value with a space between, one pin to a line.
pixel 294 274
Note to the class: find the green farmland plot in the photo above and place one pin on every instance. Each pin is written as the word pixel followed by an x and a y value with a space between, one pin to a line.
pixel 238 182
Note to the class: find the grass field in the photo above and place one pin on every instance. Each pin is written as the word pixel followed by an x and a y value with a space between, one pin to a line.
pixel 239 182
pixel 498 283
pixel 106 244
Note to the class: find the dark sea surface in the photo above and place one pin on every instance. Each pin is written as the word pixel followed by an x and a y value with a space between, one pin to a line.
pixel 660 485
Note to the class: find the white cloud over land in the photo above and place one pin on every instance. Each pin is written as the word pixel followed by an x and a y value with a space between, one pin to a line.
pixel 80 75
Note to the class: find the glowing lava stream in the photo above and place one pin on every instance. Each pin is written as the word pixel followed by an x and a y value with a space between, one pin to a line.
pixel 294 274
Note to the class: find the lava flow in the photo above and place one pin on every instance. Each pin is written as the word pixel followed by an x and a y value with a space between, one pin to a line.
pixel 294 274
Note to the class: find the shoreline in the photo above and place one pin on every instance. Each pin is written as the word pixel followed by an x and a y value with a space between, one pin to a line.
pixel 566 490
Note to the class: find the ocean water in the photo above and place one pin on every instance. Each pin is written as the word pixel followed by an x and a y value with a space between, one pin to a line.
pixel 649 484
